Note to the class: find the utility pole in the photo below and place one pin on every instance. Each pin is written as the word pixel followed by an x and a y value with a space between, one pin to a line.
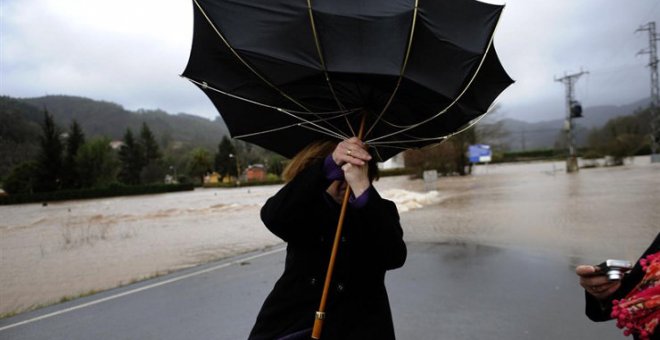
pixel 573 110
pixel 652 51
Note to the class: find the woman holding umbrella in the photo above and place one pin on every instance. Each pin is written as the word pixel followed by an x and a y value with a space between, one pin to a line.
pixel 304 214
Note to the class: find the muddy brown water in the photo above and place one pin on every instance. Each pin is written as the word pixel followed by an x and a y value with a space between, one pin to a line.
pixel 71 248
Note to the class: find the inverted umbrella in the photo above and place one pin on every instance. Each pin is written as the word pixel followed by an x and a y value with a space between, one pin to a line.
pixel 284 74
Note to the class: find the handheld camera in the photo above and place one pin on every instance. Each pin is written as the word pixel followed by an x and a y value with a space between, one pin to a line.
pixel 614 269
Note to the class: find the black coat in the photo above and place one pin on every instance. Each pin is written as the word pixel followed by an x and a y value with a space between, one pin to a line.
pixel 304 216
pixel 600 311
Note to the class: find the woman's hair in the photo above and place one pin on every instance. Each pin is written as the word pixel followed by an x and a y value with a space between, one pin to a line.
pixel 316 152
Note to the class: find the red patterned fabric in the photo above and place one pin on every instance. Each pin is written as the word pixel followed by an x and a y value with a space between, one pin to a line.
pixel 639 312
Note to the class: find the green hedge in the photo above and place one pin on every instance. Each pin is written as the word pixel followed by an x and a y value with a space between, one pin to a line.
pixel 111 191
pixel 530 155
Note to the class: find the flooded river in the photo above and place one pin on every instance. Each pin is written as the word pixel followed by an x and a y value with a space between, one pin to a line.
pixel 596 213
pixel 71 248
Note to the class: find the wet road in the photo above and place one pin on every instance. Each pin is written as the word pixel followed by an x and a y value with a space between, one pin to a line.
pixel 491 258
pixel 445 291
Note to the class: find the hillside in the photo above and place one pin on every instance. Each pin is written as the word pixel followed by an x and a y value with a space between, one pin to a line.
pixel 19 132
pixel 21 118
pixel 542 135
pixel 100 118
pixel 20 121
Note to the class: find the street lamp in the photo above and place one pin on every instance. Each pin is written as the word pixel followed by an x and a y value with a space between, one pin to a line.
pixel 238 169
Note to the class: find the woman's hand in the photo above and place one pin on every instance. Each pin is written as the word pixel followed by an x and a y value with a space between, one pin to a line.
pixel 352 156
pixel 357 176
pixel 351 151
pixel 595 282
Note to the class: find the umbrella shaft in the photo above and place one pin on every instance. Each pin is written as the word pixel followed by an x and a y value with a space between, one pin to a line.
pixel 320 315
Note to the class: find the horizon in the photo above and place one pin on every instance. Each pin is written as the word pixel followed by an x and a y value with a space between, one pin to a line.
pixel 80 49
pixel 500 114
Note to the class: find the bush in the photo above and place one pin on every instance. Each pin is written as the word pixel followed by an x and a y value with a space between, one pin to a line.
pixel 21 179
pixel 530 155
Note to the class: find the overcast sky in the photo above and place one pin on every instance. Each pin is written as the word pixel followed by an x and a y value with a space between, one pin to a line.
pixel 131 52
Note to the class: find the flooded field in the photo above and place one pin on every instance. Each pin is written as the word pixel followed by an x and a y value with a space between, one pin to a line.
pixel 71 248
pixel 602 212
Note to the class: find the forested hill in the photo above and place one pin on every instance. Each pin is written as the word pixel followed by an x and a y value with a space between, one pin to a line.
pixel 101 118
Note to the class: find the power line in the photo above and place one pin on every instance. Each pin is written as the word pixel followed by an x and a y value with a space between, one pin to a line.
pixel 652 51
pixel 573 110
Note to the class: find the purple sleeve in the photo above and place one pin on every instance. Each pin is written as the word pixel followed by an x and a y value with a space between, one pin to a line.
pixel 361 201
pixel 331 170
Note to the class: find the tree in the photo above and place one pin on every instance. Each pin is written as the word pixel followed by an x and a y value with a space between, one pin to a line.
pixel 151 150
pixel 153 170
pixel 132 160
pixel 199 164
pixel 97 163
pixel 225 159
pixel 275 164
pixel 75 139
pixel 21 178
pixel 447 158
pixel 49 160
pixel 621 137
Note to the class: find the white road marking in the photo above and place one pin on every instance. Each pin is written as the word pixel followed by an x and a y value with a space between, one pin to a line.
pixel 137 290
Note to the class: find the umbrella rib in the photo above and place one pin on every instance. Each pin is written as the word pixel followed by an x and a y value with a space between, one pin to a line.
pixel 403 69
pixel 441 138
pixel 328 132
pixel 254 71
pixel 306 126
pixel 460 95
pixel 246 64
pixel 323 65
pixel 294 125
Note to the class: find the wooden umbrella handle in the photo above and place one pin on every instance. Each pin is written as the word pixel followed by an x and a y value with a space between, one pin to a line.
pixel 320 314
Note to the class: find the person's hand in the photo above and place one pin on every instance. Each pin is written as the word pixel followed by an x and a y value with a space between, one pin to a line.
pixel 595 282
pixel 357 176
pixel 351 151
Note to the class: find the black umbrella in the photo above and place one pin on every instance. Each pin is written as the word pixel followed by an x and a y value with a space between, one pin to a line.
pixel 285 73
pixel 404 74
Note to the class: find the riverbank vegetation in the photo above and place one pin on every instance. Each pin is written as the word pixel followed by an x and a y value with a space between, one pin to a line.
pixel 43 160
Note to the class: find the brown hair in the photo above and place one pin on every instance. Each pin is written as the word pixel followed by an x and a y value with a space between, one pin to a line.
pixel 315 152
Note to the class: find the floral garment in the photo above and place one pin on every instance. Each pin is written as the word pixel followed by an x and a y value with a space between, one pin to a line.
pixel 639 312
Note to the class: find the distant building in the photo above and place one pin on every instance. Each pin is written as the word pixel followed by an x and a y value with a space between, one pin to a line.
pixel 116 144
pixel 212 178
pixel 255 172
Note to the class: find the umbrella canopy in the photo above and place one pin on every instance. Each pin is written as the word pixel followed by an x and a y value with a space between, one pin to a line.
pixel 286 73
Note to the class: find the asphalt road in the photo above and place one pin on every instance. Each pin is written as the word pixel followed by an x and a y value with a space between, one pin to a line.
pixel 445 291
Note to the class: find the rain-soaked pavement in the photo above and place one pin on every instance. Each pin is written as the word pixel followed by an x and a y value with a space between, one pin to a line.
pixel 445 291
pixel 491 257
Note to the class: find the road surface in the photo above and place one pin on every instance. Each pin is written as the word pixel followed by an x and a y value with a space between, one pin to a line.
pixel 445 291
